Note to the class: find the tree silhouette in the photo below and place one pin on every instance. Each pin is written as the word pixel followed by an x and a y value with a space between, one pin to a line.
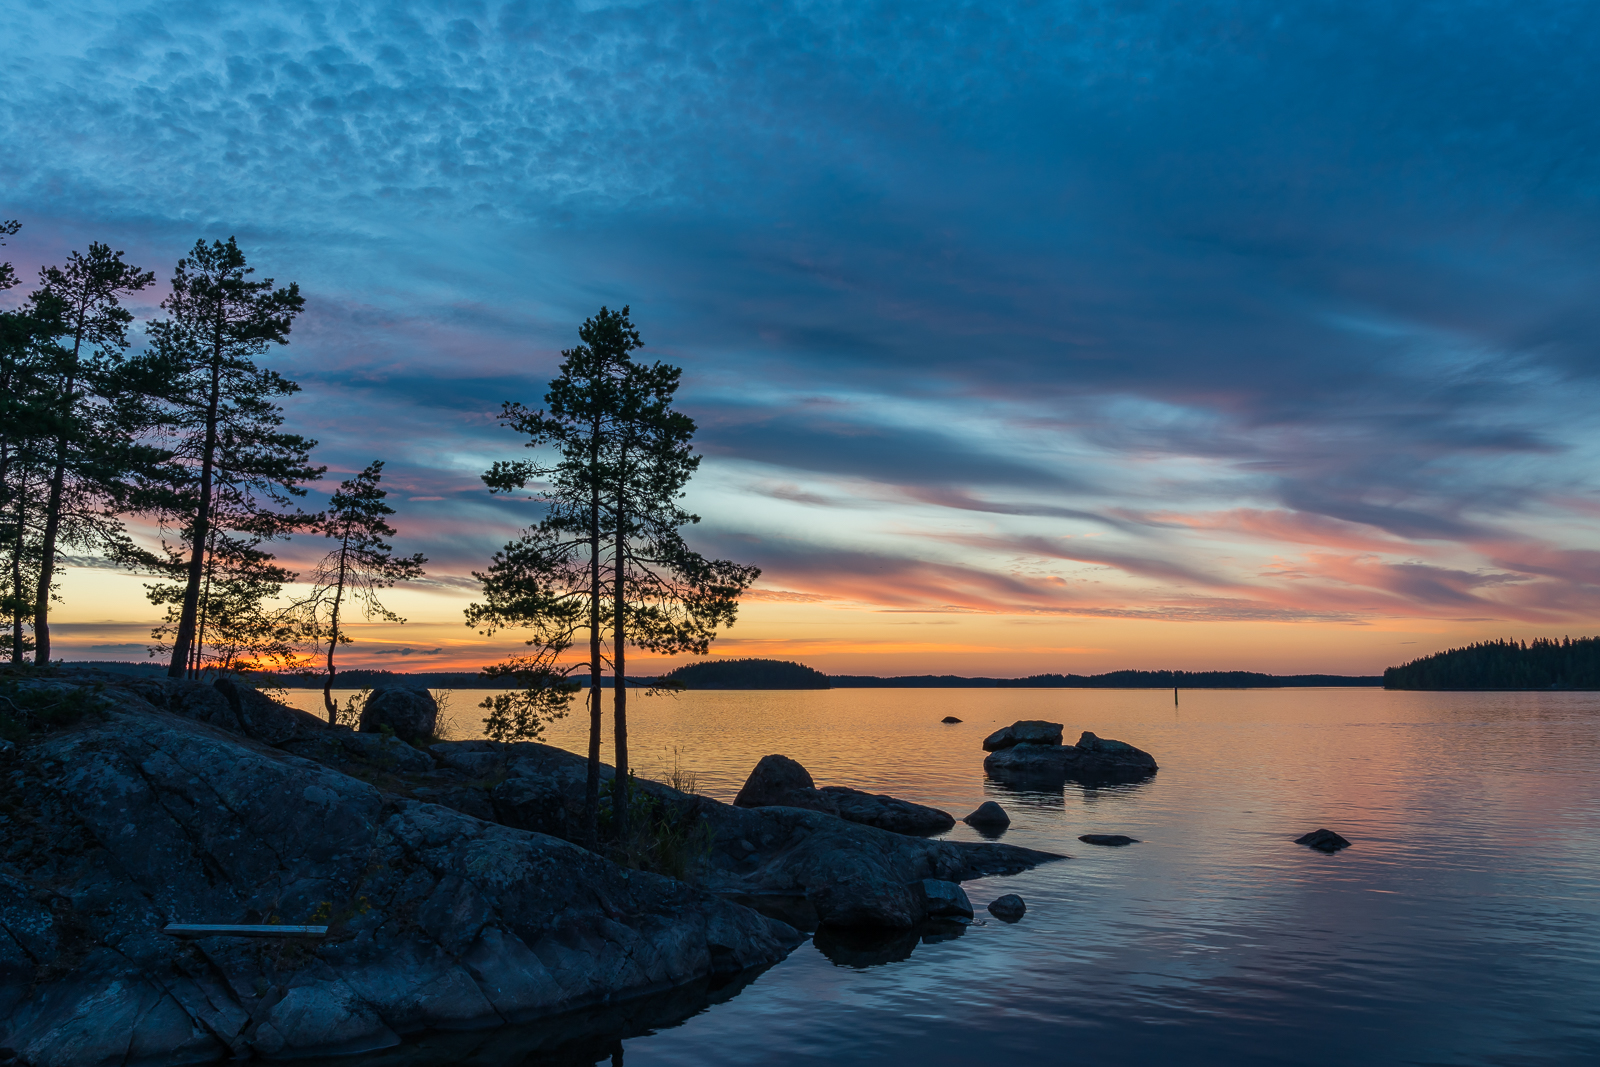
pixel 535 582
pixel 93 422
pixel 231 459
pixel 361 564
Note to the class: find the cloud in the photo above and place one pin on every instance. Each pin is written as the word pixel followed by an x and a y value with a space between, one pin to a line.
pixel 407 651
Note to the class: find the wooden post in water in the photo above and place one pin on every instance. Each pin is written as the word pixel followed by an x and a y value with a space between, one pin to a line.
pixel 1174 696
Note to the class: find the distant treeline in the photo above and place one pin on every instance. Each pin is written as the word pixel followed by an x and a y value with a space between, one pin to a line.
pixel 1539 664
pixel 1113 680
pixel 782 674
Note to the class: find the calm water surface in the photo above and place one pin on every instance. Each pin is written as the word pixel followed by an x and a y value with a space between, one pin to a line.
pixel 1463 926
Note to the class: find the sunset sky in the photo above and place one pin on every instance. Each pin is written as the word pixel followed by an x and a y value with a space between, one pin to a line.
pixel 1022 338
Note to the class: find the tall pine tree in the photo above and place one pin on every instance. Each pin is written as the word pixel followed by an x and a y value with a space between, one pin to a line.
pixel 94 421
pixel 234 469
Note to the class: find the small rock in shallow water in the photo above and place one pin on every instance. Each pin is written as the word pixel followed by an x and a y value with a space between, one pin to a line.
pixel 1107 839
pixel 1323 841
pixel 949 718
pixel 1008 909
pixel 989 814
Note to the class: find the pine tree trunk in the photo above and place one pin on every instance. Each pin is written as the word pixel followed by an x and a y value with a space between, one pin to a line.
pixel 47 561
pixel 17 614
pixel 52 515
pixel 591 785
pixel 623 792
pixel 202 528
pixel 333 638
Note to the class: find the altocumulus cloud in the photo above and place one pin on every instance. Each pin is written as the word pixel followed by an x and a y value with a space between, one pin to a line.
pixel 1223 310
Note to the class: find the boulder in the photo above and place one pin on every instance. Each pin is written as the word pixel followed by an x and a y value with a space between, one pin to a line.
pixel 1092 759
pixel 779 780
pixel 990 816
pixel 1323 840
pixel 941 899
pixel 138 817
pixel 1008 909
pixel 1027 731
pixel 412 714
pixel 949 718
pixel 773 779
pixel 1115 840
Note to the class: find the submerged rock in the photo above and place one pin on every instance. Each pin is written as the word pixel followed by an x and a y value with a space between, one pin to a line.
pixel 1115 840
pixel 1025 732
pixel 412 714
pixel 989 816
pixel 779 780
pixel 1091 759
pixel 1323 840
pixel 949 718
pixel 1008 909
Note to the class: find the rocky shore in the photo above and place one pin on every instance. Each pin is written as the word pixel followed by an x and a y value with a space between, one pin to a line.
pixel 454 900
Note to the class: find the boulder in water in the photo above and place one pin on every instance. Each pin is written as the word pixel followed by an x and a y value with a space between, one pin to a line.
pixel 1008 909
pixel 1091 759
pixel 1115 840
pixel 1024 732
pixel 949 718
pixel 412 714
pixel 989 816
pixel 1323 840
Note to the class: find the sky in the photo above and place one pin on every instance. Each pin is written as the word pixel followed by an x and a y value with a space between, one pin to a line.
pixel 1040 337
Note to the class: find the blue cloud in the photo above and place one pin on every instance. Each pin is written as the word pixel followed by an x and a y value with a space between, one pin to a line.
pixel 1068 257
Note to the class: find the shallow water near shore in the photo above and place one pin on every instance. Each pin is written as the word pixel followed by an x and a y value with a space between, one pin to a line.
pixel 1462 926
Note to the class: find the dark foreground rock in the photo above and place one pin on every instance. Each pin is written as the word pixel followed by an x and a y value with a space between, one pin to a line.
pixel 1008 909
pixel 941 899
pixel 1323 840
pixel 779 780
pixel 1114 840
pixel 412 715
pixel 1092 759
pixel 147 813
pixel 808 867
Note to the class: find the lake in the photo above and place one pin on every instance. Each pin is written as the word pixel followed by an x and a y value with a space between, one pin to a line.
pixel 1462 926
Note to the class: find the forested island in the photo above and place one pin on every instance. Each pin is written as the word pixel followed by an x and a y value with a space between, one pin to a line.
pixel 1543 663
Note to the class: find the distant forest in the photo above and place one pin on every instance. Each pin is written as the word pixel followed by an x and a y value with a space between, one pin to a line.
pixel 781 674
pixel 1113 680
pixel 1538 664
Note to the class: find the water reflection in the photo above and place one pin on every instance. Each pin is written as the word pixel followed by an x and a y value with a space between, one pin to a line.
pixel 576 1039
pixel 863 948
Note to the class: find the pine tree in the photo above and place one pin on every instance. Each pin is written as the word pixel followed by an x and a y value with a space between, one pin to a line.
pixel 361 565
pixel 551 581
pixel 231 459
pixel 665 597
pixel 91 448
